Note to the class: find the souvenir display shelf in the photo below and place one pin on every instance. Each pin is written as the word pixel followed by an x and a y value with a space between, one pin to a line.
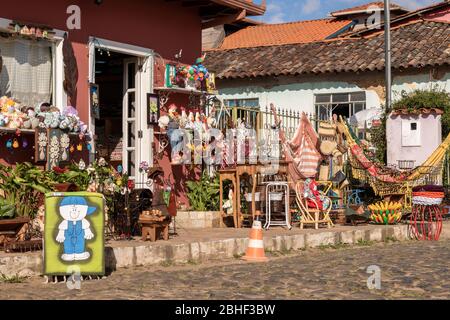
pixel 183 91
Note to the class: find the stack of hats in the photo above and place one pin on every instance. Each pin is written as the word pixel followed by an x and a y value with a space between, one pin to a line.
pixel 428 195
pixel 328 136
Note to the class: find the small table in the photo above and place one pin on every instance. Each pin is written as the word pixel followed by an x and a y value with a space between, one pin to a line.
pixel 252 170
pixel 151 226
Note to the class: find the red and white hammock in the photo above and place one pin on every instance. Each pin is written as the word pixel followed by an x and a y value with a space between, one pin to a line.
pixel 302 150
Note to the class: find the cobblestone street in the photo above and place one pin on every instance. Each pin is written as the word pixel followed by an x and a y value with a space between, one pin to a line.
pixel 411 270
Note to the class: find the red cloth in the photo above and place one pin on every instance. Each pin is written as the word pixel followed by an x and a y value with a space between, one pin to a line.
pixel 302 150
pixel 315 203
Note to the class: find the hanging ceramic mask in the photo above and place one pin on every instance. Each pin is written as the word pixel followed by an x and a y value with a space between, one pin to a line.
pixel 120 169
pixel 9 144
pixel 72 149
pixel 80 147
pixel 25 143
pixel 89 147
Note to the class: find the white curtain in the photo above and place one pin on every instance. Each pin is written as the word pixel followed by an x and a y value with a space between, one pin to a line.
pixel 27 70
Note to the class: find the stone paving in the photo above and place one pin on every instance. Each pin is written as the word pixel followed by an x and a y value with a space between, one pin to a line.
pixel 410 270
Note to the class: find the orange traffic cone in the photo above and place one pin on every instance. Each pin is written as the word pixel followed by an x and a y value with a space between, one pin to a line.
pixel 255 250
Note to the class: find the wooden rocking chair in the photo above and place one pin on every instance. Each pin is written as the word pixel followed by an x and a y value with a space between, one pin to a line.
pixel 309 215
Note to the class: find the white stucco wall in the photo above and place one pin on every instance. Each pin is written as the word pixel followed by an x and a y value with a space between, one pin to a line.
pixel 416 82
pixel 430 139
pixel 300 96
pixel 297 96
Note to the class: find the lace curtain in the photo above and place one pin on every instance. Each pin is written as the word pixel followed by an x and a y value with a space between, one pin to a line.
pixel 27 70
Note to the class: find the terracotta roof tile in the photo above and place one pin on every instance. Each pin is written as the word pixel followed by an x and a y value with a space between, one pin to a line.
pixel 284 33
pixel 405 111
pixel 365 7
pixel 424 43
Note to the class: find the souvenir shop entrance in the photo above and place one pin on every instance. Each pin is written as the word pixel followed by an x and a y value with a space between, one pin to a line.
pixel 120 81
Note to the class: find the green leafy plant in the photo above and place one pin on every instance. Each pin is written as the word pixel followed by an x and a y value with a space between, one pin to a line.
pixel 379 140
pixel 431 98
pixel 204 195
pixel 7 209
pixel 23 186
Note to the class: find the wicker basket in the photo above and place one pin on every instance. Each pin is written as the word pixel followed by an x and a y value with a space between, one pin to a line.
pixel 386 217
pixel 427 198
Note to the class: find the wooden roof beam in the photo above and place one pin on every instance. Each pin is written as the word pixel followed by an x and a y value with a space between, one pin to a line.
pixel 224 20
pixel 251 8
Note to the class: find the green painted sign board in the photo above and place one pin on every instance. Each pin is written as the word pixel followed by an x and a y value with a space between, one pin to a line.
pixel 74 240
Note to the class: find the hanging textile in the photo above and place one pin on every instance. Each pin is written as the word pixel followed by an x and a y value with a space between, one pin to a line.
pixel 302 150
pixel 307 158
pixel 27 70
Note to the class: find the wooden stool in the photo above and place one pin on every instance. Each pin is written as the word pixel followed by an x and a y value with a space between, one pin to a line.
pixel 153 229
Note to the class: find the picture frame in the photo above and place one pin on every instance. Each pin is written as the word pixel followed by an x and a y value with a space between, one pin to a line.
pixel 94 92
pixel 153 109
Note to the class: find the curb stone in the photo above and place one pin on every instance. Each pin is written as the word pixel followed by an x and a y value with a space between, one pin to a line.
pixel 156 254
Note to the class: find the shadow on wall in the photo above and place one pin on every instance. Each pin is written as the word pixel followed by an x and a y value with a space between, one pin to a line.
pixel 70 72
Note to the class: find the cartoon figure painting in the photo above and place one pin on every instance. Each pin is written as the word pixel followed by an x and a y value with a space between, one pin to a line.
pixel 75 229
pixel 74 234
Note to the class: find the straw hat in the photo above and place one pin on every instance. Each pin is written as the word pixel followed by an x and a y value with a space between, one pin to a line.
pixel 327 147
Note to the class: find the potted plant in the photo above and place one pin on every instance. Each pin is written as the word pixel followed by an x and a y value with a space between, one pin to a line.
pixel 62 183
pixel 203 195
pixel 22 191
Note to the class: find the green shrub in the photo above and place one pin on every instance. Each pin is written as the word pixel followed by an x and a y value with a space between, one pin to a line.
pixel 432 98
pixel 204 195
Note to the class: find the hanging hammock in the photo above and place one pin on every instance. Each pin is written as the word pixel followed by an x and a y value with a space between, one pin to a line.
pixel 385 180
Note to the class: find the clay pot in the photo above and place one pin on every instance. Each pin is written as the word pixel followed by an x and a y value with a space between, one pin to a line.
pixel 66 187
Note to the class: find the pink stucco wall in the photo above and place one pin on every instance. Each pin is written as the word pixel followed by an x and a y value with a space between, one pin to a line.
pixel 431 138
pixel 163 26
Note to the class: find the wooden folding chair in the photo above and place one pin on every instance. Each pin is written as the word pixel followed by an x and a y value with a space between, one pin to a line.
pixel 314 216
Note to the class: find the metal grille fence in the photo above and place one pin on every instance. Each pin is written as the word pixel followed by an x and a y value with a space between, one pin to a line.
pixel 260 119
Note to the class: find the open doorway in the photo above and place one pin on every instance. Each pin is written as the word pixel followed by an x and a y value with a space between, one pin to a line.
pixel 113 78
pixel 122 78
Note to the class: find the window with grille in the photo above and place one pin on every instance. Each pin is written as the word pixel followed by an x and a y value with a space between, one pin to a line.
pixel 342 104
pixel 242 103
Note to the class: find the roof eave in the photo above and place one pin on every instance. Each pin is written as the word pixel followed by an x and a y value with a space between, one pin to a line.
pixel 251 8
pixel 406 16
pixel 348 13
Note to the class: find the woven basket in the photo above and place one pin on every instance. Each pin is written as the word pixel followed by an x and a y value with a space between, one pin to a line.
pixel 327 147
pixel 327 129
pixel 426 198
pixel 386 217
